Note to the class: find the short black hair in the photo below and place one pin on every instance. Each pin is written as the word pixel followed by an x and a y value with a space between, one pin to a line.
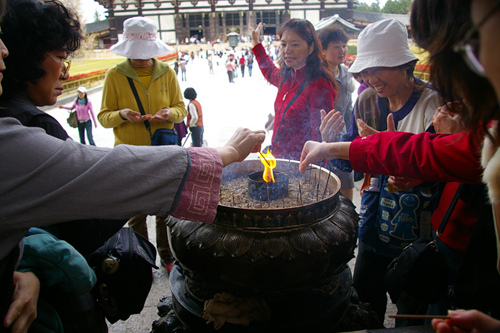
pixel 332 34
pixel 30 29
pixel 190 94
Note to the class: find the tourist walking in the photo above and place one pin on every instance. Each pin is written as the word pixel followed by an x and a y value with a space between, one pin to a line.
pixel 84 110
pixel 230 68
pixel 195 117
pixel 242 65
pixel 182 65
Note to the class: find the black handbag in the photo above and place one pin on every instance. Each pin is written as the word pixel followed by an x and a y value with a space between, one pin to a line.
pixel 123 266
pixel 72 120
pixel 421 270
pixel 162 136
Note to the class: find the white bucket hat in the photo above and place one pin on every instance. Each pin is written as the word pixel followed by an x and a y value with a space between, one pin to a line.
pixel 140 40
pixel 382 44
pixel 82 90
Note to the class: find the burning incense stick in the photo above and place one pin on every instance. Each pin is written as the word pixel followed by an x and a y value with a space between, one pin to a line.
pixel 300 193
pixel 268 196
pixel 262 155
pixel 295 171
pixel 413 316
pixel 327 180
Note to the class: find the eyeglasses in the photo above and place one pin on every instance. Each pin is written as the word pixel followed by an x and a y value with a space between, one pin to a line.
pixel 66 63
pixel 469 45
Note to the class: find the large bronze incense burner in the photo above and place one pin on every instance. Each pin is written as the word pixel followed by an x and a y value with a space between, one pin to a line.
pixel 269 263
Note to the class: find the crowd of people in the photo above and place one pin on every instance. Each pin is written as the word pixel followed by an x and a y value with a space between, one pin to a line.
pixel 419 140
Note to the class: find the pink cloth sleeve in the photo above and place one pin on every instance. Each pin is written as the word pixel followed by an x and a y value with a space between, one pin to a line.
pixel 200 196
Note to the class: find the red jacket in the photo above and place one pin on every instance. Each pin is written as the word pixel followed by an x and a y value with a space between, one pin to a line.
pixel 301 121
pixel 428 157
pixel 424 156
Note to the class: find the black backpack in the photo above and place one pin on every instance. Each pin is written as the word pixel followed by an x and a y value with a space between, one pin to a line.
pixel 123 266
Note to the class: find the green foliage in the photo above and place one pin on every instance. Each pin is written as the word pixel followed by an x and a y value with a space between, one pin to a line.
pixel 390 7
pixel 97 17
pixel 397 6
pixel 374 7
pixel 352 49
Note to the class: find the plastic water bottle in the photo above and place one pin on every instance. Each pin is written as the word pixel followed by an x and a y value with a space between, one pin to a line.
pixel 374 185
pixel 369 210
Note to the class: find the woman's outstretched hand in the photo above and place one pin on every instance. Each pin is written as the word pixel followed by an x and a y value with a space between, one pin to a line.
pixel 315 152
pixel 256 34
pixel 466 321
pixel 331 125
pixel 242 143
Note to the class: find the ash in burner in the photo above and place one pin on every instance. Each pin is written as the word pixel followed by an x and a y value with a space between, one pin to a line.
pixel 301 191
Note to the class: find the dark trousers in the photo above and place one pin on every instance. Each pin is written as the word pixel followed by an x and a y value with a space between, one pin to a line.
pixel 197 135
pixel 86 126
pixel 368 280
pixel 242 70
pixel 230 75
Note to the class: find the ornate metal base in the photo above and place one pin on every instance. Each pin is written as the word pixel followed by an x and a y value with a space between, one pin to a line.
pixel 327 308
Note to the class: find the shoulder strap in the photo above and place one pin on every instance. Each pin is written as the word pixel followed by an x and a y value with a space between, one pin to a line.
pixel 383 106
pixel 449 210
pixel 139 104
pixel 302 87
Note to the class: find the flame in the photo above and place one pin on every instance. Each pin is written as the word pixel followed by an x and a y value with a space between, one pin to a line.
pixel 269 164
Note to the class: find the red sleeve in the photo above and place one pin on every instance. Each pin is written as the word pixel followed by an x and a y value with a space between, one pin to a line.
pixel 266 65
pixel 424 156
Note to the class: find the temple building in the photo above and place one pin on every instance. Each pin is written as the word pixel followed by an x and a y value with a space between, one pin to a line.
pixel 180 21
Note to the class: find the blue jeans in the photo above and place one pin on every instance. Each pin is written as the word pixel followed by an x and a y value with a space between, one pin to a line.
pixel 197 135
pixel 86 125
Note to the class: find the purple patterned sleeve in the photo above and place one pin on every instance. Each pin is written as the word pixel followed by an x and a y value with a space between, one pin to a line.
pixel 200 195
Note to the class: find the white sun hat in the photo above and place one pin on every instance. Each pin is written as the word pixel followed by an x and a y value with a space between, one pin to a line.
pixel 382 44
pixel 82 89
pixel 140 40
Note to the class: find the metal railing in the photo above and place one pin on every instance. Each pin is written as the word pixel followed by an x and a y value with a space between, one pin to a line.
pixel 70 86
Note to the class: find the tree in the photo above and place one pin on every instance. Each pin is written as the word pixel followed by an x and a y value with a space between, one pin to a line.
pixel 75 6
pixel 374 7
pixel 397 6
pixel 97 16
